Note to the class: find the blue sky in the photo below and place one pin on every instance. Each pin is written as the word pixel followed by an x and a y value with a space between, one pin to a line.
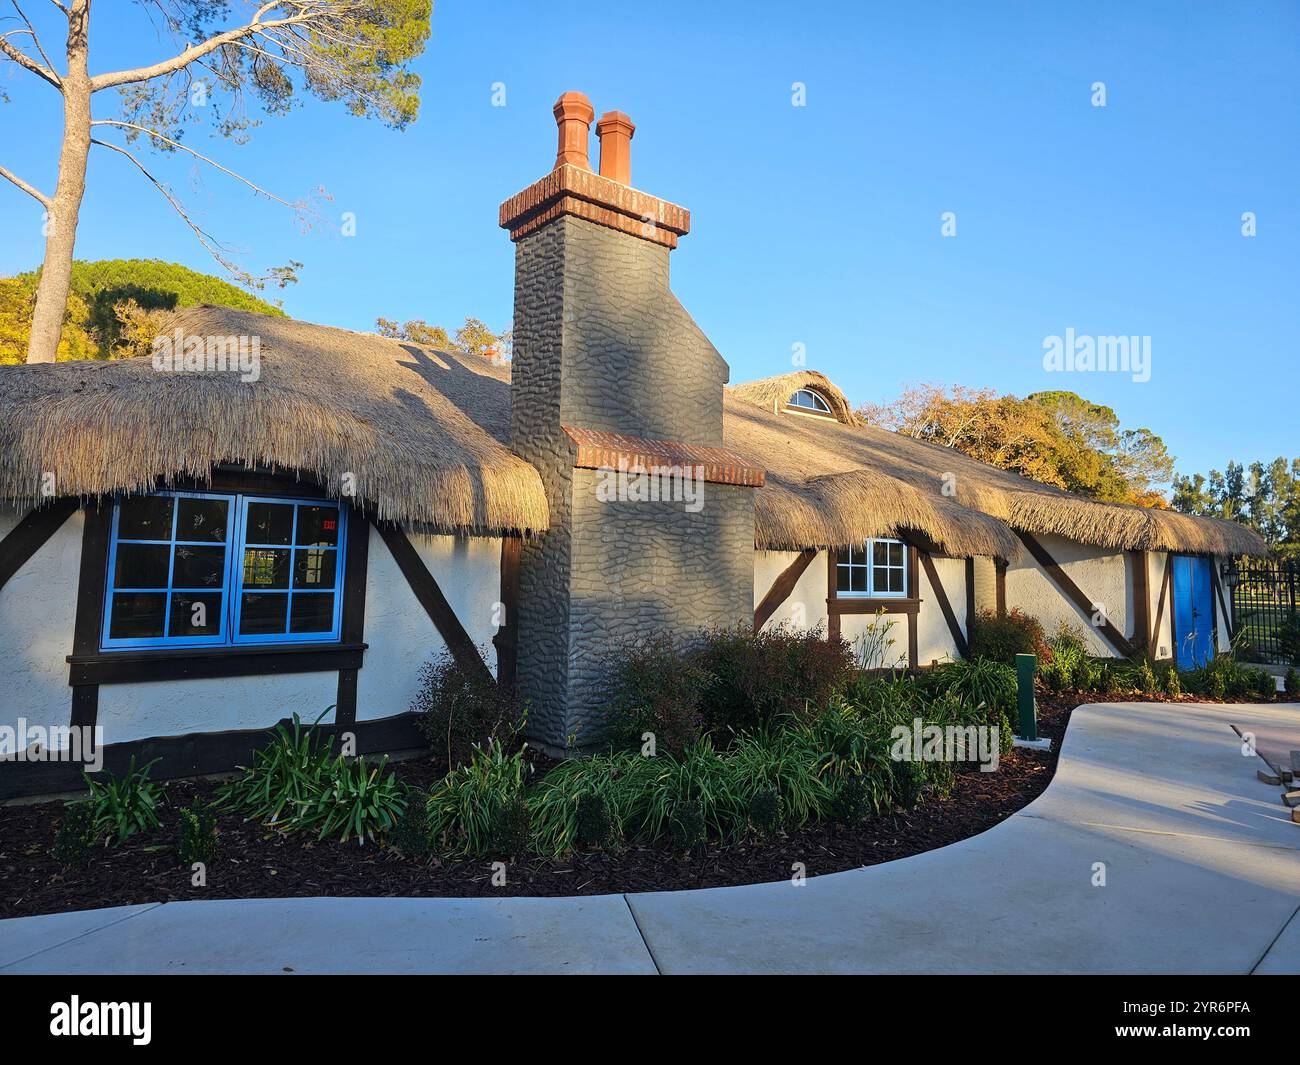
pixel 818 225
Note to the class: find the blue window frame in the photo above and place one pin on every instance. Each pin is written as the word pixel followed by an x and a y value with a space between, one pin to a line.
pixel 207 569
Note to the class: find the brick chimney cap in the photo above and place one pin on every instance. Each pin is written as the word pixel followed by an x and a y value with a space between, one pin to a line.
pixel 574 105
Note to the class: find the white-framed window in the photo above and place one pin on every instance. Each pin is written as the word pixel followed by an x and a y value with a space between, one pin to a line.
pixel 807 399
pixel 876 569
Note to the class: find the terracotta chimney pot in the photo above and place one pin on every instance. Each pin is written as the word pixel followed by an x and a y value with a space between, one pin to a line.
pixel 573 114
pixel 615 131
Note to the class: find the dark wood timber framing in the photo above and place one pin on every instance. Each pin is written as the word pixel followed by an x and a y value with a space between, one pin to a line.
pixel 506 639
pixel 1075 594
pixel 782 587
pixel 30 535
pixel 355 565
pixel 1154 640
pixel 90 610
pixel 954 629
pixel 431 598
pixel 1223 606
pixel 1141 600
pixel 1000 586
pixel 858 604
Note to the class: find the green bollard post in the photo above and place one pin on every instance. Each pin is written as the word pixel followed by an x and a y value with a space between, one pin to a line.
pixel 1026 666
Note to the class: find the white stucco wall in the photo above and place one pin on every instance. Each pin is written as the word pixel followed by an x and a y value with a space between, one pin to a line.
pixel 38 613
pixel 1161 625
pixel 1100 573
pixel 38 609
pixel 172 707
pixel 934 640
pixel 401 635
pixel 806 606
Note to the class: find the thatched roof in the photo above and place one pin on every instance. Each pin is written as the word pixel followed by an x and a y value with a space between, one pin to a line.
pixel 328 403
pixel 424 435
pixel 855 468
pixel 773 393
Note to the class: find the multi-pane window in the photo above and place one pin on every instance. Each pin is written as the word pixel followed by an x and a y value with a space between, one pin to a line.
pixel 876 568
pixel 203 569
pixel 807 399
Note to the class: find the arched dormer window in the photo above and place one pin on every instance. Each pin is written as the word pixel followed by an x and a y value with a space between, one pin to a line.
pixel 806 401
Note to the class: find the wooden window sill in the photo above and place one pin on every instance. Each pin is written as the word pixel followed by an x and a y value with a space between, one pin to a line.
pixel 862 604
pixel 149 664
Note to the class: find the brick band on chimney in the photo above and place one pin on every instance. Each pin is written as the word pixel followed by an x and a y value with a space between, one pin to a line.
pixel 605 198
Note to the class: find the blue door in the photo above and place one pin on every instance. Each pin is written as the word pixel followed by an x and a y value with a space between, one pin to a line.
pixel 1193 611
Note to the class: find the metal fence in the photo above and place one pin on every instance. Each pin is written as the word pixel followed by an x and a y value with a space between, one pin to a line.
pixel 1266 607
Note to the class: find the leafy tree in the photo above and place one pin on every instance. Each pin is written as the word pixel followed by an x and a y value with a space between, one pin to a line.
pixel 473 336
pixel 1057 438
pixel 356 52
pixel 1264 496
pixel 416 331
pixel 110 305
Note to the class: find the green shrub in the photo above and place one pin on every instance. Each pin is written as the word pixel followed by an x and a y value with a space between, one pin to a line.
pixel 125 805
pixel 197 833
pixel 1086 675
pixel 1217 687
pixel 1288 638
pixel 1055 676
pixel 978 681
pixel 1146 678
pixel 721 683
pixel 357 800
pixel 1007 741
pixel 688 829
pixel 1106 681
pixel 805 770
pixel 940 778
pixel 907 783
pixel 410 835
pixel 1265 685
pixel 465 808
pixel 511 830
pixel 1002 638
pixel 76 835
pixel 593 827
pixel 659 691
pixel 1173 683
pixel 461 708
pixel 1069 656
pixel 296 784
pixel 757 679
pixel 1292 683
pixel 851 802
pixel 765 811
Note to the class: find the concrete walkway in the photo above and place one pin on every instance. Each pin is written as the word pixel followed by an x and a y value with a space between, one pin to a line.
pixel 1201 866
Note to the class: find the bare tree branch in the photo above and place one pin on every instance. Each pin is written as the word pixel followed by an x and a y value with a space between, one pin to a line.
pixel 299 207
pixel 307 12
pixel 210 243
pixel 32 30
pixel 30 190
pixel 27 62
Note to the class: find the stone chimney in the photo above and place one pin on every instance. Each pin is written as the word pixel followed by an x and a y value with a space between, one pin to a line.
pixel 611 373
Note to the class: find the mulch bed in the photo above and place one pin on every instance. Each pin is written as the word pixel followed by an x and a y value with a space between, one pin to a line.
pixel 255 863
